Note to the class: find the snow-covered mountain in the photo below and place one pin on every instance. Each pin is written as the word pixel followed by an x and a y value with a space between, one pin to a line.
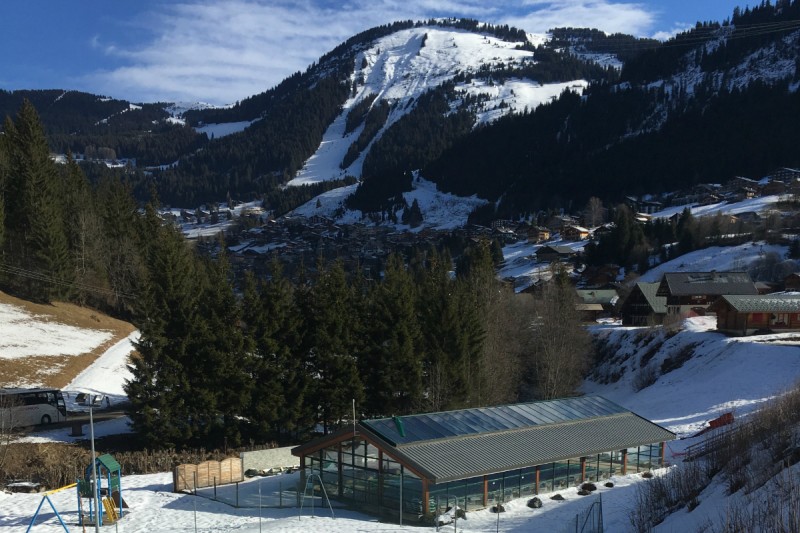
pixel 398 68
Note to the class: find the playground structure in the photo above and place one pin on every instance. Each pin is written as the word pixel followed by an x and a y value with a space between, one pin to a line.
pixel 108 491
pixel 46 498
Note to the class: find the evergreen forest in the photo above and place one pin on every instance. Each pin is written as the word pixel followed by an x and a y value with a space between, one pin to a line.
pixel 227 361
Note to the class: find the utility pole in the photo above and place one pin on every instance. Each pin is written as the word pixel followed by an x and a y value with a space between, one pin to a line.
pixel 96 488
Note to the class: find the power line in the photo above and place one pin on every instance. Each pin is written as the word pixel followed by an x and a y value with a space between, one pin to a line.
pixel 40 276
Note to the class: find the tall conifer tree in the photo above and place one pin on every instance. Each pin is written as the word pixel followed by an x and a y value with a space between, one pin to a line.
pixel 328 348
pixel 392 363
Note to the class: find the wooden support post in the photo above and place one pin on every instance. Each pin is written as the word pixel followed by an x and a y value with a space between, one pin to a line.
pixel 426 496
pixel 624 461
pixel 485 491
pixel 340 479
pixel 583 469
pixel 380 477
pixel 662 447
pixel 538 472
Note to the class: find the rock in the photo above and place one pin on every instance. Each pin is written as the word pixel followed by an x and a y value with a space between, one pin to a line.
pixel 557 497
pixel 609 484
pixel 498 508
pixel 251 472
pixel 535 503
pixel 589 486
pixel 583 492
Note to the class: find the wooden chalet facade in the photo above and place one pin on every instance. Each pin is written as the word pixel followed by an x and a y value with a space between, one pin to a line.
pixel 690 293
pixel 745 315
pixel 642 307
pixel 574 233
pixel 548 254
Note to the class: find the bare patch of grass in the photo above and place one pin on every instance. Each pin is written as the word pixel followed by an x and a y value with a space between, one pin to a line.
pixel 58 371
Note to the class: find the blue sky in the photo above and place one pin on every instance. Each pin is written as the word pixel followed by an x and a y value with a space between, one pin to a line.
pixel 222 51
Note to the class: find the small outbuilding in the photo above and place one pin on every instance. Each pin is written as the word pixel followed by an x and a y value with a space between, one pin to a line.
pixel 403 467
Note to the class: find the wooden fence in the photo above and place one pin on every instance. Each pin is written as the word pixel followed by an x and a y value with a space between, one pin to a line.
pixel 207 474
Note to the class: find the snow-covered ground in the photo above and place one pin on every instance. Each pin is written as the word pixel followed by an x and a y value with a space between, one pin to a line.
pixel 23 335
pixel 440 210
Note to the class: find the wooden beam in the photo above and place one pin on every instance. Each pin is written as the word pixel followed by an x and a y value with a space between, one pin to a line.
pixel 485 491
pixel 624 461
pixel 426 496
pixel 583 469
pixel 538 471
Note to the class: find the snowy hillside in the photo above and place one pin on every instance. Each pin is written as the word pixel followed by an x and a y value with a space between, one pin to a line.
pixel 440 210
pixel 719 375
pixel 400 67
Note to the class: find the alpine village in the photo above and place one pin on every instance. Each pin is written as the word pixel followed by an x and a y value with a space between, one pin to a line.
pixel 452 276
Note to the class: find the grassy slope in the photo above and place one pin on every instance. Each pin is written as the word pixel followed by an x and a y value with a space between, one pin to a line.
pixel 34 369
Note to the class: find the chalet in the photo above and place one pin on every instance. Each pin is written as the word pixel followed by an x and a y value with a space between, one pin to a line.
pixel 605 298
pixel 642 307
pixel 747 314
pixel 412 467
pixel 692 292
pixel 537 234
pixel 559 222
pixel 589 312
pixel 550 253
pixel 785 175
pixel 773 187
pixel 599 276
pixel 574 233
pixel 792 282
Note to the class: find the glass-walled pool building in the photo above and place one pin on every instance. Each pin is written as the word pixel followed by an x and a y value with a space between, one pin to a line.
pixel 476 457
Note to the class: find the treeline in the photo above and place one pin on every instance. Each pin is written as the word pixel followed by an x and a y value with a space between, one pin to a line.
pixel 60 237
pixel 285 357
pixel 568 150
pixel 417 138
pixel 747 31
pixel 639 246
pixel 591 40
pixel 282 200
pixel 268 154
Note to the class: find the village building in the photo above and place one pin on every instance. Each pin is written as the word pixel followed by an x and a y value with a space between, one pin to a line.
pixel 690 293
pixel 574 233
pixel 745 314
pixel 642 307
pixel 551 253
pixel 792 282
pixel 403 467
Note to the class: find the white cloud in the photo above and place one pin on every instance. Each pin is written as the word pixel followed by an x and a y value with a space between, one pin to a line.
pixel 225 51
pixel 609 16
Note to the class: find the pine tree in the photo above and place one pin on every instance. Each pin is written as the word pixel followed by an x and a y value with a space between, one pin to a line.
pixel 220 388
pixel 272 326
pixel 39 243
pixel 329 347
pixel 160 389
pixel 83 230
pixel 391 363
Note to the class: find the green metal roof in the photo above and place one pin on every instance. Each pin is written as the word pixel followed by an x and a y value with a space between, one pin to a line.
pixel 465 457
pixel 708 283
pixel 657 303
pixel 767 303
pixel 108 461
pixel 462 422
pixel 453 445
